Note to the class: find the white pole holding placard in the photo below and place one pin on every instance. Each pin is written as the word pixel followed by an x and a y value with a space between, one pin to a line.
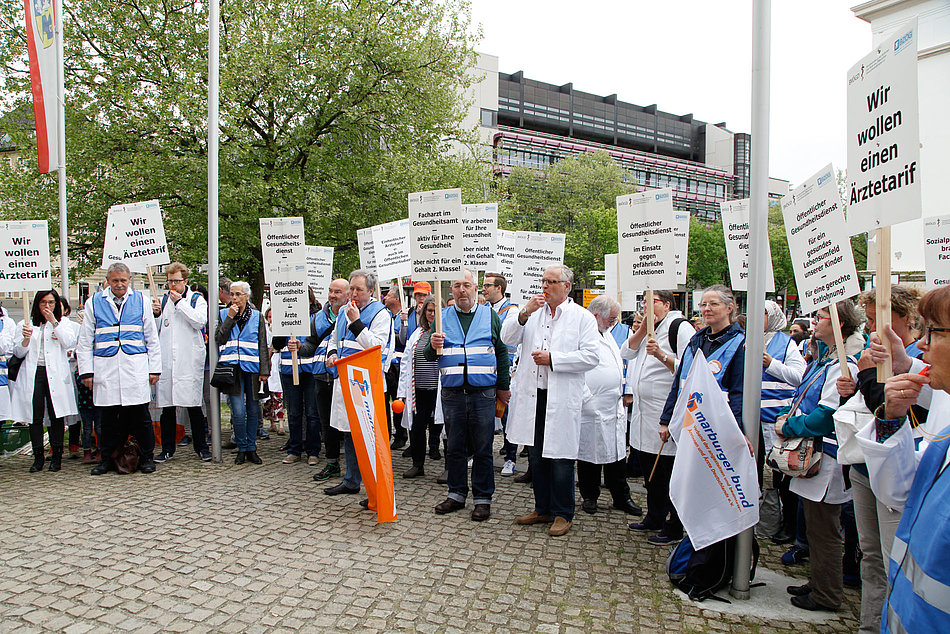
pixel 882 293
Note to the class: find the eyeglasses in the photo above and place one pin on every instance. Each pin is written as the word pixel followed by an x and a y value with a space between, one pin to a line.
pixel 711 304
pixel 549 282
pixel 170 282
pixel 928 332
pixel 484 284
pixel 819 317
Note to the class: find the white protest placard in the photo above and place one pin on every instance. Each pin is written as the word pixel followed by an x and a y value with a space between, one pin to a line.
pixel 320 270
pixel 289 303
pixel 645 229
pixel 479 235
pixel 135 235
pixel 534 252
pixel 681 243
pixel 937 250
pixel 883 186
pixel 735 230
pixel 25 263
pixel 435 234
pixel 364 241
pixel 391 248
pixel 627 300
pixel 282 241
pixel 819 243
pixel 504 261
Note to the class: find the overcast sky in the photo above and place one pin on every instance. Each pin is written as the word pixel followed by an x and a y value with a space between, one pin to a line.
pixel 690 56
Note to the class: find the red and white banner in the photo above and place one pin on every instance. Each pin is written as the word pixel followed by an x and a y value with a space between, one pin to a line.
pixel 41 43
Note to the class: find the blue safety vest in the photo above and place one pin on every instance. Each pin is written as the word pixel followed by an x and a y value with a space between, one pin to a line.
pixel 776 393
pixel 502 314
pixel 126 332
pixel 913 350
pixel 470 354
pixel 621 332
pixel 812 399
pixel 718 361
pixel 242 346
pixel 304 364
pixel 4 378
pixel 413 322
pixel 346 343
pixel 918 578
pixel 323 326
pixel 398 348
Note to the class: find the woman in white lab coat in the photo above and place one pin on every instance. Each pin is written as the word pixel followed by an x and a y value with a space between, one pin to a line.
pixel 44 384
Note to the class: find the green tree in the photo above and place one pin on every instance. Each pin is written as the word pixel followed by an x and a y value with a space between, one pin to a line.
pixel 707 264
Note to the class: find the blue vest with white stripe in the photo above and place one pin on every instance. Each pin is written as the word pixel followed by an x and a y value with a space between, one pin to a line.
pixel 413 322
pixel 398 348
pixel 322 324
pixel 470 354
pixel 4 378
pixel 241 348
pixel 304 364
pixel 346 342
pixel 722 356
pixel 502 314
pixel 918 578
pixel 125 332
pixel 776 393
pixel 812 399
pixel 621 332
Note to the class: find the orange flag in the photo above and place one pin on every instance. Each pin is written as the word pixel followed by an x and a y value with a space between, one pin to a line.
pixel 364 392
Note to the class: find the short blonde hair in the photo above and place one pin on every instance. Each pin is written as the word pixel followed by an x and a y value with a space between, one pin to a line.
pixel 177 267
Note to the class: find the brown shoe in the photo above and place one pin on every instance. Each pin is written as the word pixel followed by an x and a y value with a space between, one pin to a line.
pixel 448 506
pixel 561 526
pixel 534 518
pixel 481 513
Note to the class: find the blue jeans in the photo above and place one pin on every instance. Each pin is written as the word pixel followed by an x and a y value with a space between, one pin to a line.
pixel 511 451
pixel 352 479
pixel 300 401
pixel 469 425
pixel 552 478
pixel 245 413
pixel 90 421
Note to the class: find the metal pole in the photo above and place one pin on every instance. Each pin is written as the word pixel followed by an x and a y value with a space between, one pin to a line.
pixel 758 225
pixel 61 142
pixel 215 409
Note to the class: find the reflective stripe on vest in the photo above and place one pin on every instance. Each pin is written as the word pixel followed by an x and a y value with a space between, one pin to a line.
pixel 304 364
pixel 321 324
pixel 470 354
pixel 242 346
pixel 502 314
pixel 776 394
pixel 125 332
pixel 718 361
pixel 346 343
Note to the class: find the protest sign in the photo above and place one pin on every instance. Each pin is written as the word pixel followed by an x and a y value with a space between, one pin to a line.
pixel 534 252
pixel 135 236
pixel 320 270
pixel 290 306
pixel 937 250
pixel 628 300
pixel 25 263
pixel 479 241
pixel 735 230
pixel 435 234
pixel 645 229
pixel 883 185
pixel 818 242
pixel 364 241
pixel 681 243
pixel 391 249
pixel 282 241
pixel 504 262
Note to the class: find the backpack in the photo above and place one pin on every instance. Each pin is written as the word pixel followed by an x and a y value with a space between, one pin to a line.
pixel 674 331
pixel 701 573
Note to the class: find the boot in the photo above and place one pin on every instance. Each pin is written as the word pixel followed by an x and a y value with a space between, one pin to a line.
pixel 36 440
pixel 56 462
pixel 87 456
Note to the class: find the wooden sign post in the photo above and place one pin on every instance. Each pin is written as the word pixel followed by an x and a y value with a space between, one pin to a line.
pixel 883 298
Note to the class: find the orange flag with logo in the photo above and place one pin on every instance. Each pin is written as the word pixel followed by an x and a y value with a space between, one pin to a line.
pixel 364 391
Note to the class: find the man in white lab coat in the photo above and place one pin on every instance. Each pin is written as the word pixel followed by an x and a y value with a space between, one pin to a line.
pixel 119 359
pixel 559 345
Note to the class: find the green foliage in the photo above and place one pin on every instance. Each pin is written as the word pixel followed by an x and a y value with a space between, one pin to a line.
pixel 707 264
pixel 782 268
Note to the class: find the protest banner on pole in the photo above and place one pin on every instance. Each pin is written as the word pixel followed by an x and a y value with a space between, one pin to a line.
pixel 393 261
pixel 289 305
pixel 25 265
pixel 135 235
pixel 435 239
pixel 284 253
pixel 534 252
pixel 735 230
pixel 937 250
pixel 504 262
pixel 681 243
pixel 364 242
pixel 479 235
pixel 320 270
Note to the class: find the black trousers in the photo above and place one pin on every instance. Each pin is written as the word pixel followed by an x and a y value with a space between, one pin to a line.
pixel 332 438
pixel 42 404
pixel 660 510
pixel 393 420
pixel 169 423
pixel 615 477
pixel 121 421
pixel 422 420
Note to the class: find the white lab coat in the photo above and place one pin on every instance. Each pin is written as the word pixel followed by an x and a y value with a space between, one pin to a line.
pixel 7 344
pixel 404 390
pixel 183 352
pixel 379 333
pixel 603 420
pixel 58 373
pixel 651 382
pixel 574 348
pixel 121 379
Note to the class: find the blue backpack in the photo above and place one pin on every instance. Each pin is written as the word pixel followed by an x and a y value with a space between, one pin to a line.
pixel 701 573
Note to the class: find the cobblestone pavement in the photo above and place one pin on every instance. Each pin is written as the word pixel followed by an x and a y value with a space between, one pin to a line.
pixel 203 547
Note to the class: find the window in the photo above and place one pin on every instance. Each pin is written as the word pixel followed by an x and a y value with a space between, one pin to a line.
pixel 489 118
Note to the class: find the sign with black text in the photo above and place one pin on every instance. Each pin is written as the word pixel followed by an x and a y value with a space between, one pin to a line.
pixel 320 270
pixel 681 243
pixel 534 252
pixel 282 241
pixel 364 242
pixel 479 241
pixel 25 263
pixel 735 230
pixel 135 235
pixel 391 248
pixel 435 234
pixel 645 229
pixel 937 250
pixel 289 302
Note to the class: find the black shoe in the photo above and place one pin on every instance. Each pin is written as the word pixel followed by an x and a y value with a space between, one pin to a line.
pixel 398 443
pixel 628 506
pixel 663 539
pixel 524 478
pixel 589 506
pixel 644 526
pixel 798 591
pixel 102 467
pixel 443 478
pixel 805 602
pixel 184 442
pixel 414 472
pixel 481 512
pixel 782 537
pixel 240 457
pixel 229 445
pixel 365 503
pixel 448 506
pixel 407 452
pixel 435 454
pixel 147 466
pixel 524 452
pixel 330 470
pixel 55 464
pixel 254 458
pixel 341 489
pixel 501 452
pixel 38 464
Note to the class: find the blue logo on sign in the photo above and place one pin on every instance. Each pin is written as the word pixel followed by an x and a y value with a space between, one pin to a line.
pixel 822 179
pixel 903 40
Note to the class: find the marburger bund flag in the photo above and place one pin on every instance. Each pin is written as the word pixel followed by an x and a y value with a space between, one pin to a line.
pixel 714 485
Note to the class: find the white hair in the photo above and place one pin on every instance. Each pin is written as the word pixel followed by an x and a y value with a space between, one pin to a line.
pixel 244 286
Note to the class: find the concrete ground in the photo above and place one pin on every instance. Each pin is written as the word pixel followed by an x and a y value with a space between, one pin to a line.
pixel 217 547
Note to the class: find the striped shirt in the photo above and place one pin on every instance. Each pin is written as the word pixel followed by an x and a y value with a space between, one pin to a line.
pixel 426 373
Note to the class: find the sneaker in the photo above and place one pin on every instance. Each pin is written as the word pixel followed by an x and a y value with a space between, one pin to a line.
pixel 312 461
pixel 509 468
pixel 662 539
pixel 794 555
pixel 205 455
pixel 331 470
pixel 263 435
pixel 524 452
pixel 290 459
pixel 185 441
pixel 164 457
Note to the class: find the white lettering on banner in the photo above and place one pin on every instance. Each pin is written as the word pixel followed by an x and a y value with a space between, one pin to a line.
pixel 25 265
pixel 135 235
pixel 937 250
pixel 435 234
pixel 735 230
pixel 479 241
pixel 645 229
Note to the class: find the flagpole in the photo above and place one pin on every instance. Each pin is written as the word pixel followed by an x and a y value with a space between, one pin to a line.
pixel 61 142
pixel 215 406
pixel 758 222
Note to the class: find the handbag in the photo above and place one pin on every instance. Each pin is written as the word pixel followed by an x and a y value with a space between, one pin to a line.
pixel 797 457
pixel 13 366
pixel 224 376
pixel 126 457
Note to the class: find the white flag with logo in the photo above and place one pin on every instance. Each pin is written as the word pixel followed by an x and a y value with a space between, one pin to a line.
pixel 714 485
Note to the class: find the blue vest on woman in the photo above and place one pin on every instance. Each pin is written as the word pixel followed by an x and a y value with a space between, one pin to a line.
pixel 241 348
pixel 718 361
pixel 776 393
pixel 125 332
pixel 471 353
pixel 812 399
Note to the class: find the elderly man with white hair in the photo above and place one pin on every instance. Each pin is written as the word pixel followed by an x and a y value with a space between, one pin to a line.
pixel 559 344
pixel 604 420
